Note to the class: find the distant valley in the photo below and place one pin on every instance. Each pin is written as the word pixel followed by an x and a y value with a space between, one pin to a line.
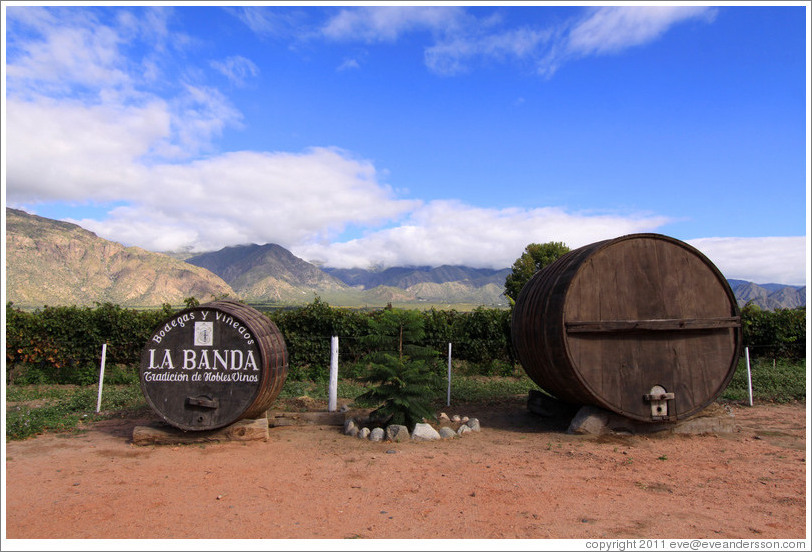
pixel 50 262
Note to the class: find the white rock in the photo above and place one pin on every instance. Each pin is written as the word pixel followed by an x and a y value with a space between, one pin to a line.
pixel 443 417
pixel 447 433
pixel 463 430
pixel 376 434
pixel 350 427
pixel 424 432
pixel 455 418
pixel 589 420
pixel 473 423
pixel 397 433
pixel 364 433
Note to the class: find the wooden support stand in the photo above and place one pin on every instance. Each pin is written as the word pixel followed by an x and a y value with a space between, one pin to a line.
pixel 279 418
pixel 162 434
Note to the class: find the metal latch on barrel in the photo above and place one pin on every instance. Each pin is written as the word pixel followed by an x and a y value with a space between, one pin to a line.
pixel 658 397
pixel 205 402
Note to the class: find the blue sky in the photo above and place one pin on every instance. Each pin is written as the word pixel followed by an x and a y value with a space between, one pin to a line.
pixel 416 135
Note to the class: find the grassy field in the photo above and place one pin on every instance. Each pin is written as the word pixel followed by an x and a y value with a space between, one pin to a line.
pixel 34 409
pixel 772 381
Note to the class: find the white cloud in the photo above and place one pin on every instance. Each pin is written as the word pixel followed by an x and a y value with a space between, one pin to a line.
pixel 237 69
pixel 462 39
pixel 251 197
pixel 451 232
pixel 200 114
pixel 62 51
pixel 779 260
pixel 65 150
pixel 267 22
pixel 150 25
pixel 69 52
pixel 387 24
pixel 66 64
pixel 72 150
pixel 611 29
pixel 455 54
pixel 348 63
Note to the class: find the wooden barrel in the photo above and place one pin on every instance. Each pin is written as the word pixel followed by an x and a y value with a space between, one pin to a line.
pixel 643 325
pixel 209 366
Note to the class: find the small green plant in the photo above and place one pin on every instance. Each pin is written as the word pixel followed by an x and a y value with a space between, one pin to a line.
pixel 405 389
pixel 402 375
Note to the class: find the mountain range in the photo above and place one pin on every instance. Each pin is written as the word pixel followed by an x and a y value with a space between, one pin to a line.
pixel 271 274
pixel 50 262
pixel 768 296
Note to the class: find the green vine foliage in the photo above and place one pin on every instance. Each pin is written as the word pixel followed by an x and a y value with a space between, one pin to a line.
pixel 778 334
pixel 63 344
pixel 307 331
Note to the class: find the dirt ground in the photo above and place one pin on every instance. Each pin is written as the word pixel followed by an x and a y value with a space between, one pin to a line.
pixel 521 477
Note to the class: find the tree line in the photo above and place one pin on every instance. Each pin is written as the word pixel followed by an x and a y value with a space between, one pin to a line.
pixel 63 344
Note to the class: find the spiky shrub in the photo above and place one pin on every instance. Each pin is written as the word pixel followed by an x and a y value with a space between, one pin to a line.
pixel 400 370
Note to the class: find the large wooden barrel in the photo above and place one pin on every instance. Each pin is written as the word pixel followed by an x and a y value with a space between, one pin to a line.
pixel 209 366
pixel 643 325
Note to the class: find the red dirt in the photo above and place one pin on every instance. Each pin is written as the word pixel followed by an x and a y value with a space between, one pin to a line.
pixel 521 477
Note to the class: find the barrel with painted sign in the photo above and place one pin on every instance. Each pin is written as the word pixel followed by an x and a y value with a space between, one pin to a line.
pixel 209 366
pixel 643 325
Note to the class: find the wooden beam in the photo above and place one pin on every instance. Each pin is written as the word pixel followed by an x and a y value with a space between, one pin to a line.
pixel 669 324
pixel 162 434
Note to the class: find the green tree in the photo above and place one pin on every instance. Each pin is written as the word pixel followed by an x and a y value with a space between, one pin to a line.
pixel 535 257
pixel 400 370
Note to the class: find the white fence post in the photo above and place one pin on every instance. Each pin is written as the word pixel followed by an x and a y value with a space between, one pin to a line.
pixel 101 377
pixel 749 379
pixel 448 402
pixel 333 389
